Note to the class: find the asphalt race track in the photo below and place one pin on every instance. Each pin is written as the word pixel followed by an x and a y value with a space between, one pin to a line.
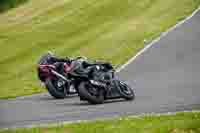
pixel 166 78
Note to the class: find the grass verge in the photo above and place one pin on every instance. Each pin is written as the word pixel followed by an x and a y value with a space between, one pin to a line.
pixel 188 122
pixel 111 30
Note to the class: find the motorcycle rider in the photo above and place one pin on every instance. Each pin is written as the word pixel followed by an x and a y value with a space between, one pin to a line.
pixel 78 64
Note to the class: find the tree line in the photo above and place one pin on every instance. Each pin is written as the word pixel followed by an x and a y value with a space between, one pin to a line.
pixel 7 4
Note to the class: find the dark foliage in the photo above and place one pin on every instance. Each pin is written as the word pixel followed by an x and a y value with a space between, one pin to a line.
pixel 7 4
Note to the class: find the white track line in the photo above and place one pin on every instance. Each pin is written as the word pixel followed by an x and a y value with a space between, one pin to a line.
pixel 157 39
pixel 61 123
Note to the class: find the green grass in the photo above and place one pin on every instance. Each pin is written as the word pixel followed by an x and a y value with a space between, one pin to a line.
pixel 178 123
pixel 112 30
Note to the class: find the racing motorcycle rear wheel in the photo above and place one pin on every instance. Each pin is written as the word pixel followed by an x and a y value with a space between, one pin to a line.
pixel 90 93
pixel 56 88
pixel 125 90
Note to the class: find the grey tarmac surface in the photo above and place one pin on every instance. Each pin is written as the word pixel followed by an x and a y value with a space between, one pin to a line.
pixel 166 78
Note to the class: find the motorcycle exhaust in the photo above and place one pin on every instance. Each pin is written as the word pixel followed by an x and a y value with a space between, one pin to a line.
pixel 59 75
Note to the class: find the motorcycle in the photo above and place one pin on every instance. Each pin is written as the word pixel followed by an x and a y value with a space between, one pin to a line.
pixel 103 85
pixel 49 74
pixel 94 82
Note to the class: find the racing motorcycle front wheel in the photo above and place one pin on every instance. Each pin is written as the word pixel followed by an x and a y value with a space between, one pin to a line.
pixel 91 93
pixel 124 90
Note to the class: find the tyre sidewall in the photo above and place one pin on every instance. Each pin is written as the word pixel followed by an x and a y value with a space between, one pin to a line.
pixel 53 91
pixel 118 85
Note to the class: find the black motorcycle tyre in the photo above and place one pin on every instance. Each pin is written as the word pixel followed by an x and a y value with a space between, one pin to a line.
pixel 83 91
pixel 121 86
pixel 53 91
